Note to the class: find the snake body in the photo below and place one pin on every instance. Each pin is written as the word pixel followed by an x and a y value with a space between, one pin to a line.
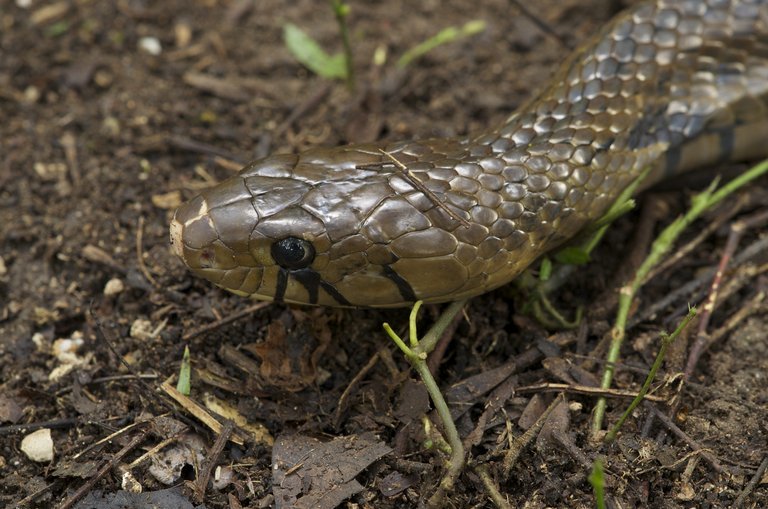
pixel 669 85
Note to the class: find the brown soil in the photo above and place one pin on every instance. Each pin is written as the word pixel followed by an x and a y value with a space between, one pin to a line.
pixel 101 139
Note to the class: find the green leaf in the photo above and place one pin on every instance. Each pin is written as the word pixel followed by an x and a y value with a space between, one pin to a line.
pixel 572 255
pixel 445 36
pixel 545 270
pixel 57 29
pixel 307 51
pixel 184 384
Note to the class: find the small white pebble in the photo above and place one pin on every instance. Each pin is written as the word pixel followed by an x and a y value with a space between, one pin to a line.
pixel 24 4
pixel 40 342
pixel 223 477
pixel 113 287
pixel 182 34
pixel 129 483
pixel 61 371
pixel 141 329
pixel 65 348
pixel 150 45
pixel 31 94
pixel 38 446
pixel 50 171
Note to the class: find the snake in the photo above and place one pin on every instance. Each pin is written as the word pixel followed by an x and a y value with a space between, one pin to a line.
pixel 665 87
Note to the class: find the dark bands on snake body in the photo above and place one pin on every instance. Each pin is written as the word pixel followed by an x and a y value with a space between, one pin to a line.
pixel 670 85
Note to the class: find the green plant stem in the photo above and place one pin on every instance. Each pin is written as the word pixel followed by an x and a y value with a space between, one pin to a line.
pixel 416 354
pixel 445 36
pixel 550 280
pixel 430 339
pixel 490 486
pixel 623 204
pixel 558 321
pixel 597 480
pixel 663 243
pixel 666 341
pixel 341 11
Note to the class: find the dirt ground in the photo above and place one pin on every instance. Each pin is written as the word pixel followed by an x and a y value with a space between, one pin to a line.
pixel 113 112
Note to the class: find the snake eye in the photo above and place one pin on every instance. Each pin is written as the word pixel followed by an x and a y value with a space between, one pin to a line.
pixel 293 253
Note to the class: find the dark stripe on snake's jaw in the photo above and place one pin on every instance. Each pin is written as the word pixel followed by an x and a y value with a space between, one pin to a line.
pixel 672 160
pixel 405 289
pixel 727 139
pixel 333 292
pixel 312 282
pixel 282 284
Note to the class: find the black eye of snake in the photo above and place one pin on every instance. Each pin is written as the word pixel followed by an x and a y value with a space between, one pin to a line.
pixel 293 253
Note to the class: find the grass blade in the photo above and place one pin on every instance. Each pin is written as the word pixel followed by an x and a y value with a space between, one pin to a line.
pixel 307 51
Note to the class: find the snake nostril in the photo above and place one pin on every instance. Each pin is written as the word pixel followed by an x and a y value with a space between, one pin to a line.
pixel 207 258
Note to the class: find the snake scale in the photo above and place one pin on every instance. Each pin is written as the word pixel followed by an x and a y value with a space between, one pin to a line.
pixel 670 85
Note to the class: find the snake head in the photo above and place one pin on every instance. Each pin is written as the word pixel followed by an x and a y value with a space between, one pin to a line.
pixel 288 228
pixel 347 227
